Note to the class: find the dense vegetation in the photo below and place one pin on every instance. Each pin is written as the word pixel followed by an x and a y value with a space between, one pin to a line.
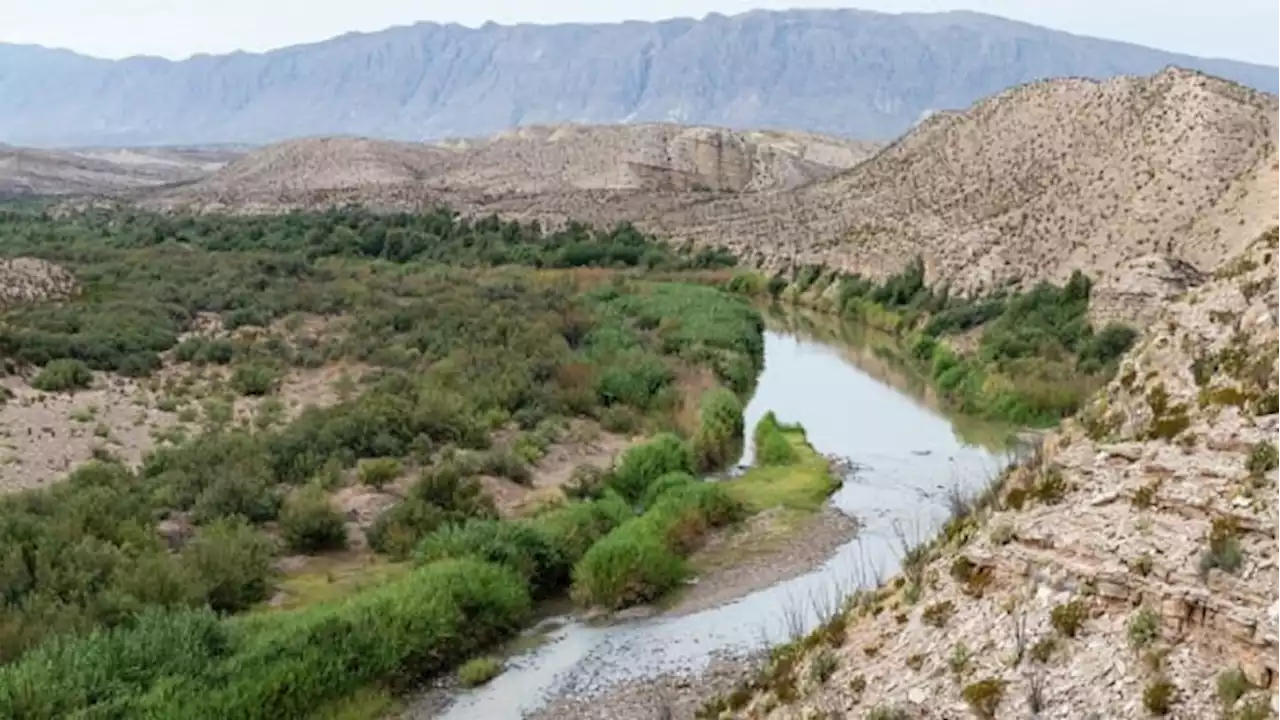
pixel 1037 357
pixel 454 356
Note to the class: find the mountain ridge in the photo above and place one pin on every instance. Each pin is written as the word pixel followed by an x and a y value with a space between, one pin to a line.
pixel 843 72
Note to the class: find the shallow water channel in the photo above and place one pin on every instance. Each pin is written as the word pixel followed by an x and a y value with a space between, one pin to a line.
pixel 854 402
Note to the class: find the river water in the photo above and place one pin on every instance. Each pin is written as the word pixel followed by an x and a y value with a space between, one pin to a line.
pixel 854 402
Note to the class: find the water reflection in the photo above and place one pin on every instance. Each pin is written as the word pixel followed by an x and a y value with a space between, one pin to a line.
pixel 853 402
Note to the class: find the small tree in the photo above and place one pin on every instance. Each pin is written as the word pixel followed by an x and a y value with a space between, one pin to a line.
pixel 310 523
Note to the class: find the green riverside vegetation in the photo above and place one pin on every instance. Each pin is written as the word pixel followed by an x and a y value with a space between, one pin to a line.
pixel 1037 357
pixel 465 331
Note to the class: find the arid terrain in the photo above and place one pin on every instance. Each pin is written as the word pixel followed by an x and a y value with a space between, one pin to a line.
pixel 25 171
pixel 1139 182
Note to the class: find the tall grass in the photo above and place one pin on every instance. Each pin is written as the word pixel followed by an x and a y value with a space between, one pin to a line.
pixel 189 664
pixel 644 557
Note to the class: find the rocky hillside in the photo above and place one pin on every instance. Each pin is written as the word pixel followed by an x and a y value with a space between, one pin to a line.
pixel 27 172
pixel 1131 180
pixel 530 167
pixel 843 72
pixel 1128 569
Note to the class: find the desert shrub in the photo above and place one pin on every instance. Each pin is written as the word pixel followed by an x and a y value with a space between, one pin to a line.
pixel 1145 496
pixel 1159 697
pixel 642 464
pixel 231 563
pixel 888 712
pixel 504 463
pixel 254 379
pixel 244 495
pixel 478 671
pixel 1042 650
pixel 984 697
pixel 377 472
pixel 587 482
pixel 958 661
pixel 937 614
pixel 1263 458
pixel 771 444
pixel 1224 551
pixel 1051 487
pixel 1069 617
pixel 309 522
pixel 1232 684
pixel 823 666
pixel 439 496
pixel 1143 627
pixel 62 375
pixel 718 440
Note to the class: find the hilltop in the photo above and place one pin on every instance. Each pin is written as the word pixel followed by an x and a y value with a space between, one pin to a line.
pixel 27 171
pixel 531 169
pixel 1139 181
pixel 850 73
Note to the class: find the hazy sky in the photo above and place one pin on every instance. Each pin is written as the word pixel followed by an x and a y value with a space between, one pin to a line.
pixel 1237 29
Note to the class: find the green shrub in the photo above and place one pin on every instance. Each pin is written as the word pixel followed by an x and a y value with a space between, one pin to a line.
pixel 1224 551
pixel 309 522
pixel 231 563
pixel 1069 617
pixel 629 566
pixel 478 671
pixel 62 375
pixel 771 444
pixel 254 379
pixel 642 464
pixel 246 495
pixel 575 527
pixel 377 472
pixel 1263 458
pixel 642 558
pixel 1143 627
pixel 587 482
pixel 984 697
pixel 718 440
pixel 1159 697
pixel 667 483
pixel 1232 685
pixel 506 464
pixel 823 666
pixel 519 545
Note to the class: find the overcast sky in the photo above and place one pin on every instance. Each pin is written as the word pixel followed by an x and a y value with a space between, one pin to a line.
pixel 1237 29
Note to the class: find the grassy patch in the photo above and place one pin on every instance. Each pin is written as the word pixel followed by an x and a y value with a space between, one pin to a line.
pixel 803 485
pixel 330 579
pixel 478 671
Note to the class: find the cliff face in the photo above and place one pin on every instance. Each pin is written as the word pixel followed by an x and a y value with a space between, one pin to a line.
pixel 843 72
pixel 1135 555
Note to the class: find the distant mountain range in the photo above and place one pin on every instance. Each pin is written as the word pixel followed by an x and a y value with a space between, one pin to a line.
pixel 843 72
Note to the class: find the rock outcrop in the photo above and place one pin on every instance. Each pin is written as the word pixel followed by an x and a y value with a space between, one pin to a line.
pixel 1132 561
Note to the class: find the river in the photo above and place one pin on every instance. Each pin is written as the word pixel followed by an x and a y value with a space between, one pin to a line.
pixel 853 401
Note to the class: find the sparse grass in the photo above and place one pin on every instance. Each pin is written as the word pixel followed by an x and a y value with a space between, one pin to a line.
pixel 367 703
pixel 823 666
pixel 1263 458
pixel 1042 650
pixel 938 614
pixel 478 671
pixel 1145 496
pixel 331 578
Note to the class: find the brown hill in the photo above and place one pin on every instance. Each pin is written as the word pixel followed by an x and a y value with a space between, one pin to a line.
pixel 1033 183
pixel 28 172
pixel 545 167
